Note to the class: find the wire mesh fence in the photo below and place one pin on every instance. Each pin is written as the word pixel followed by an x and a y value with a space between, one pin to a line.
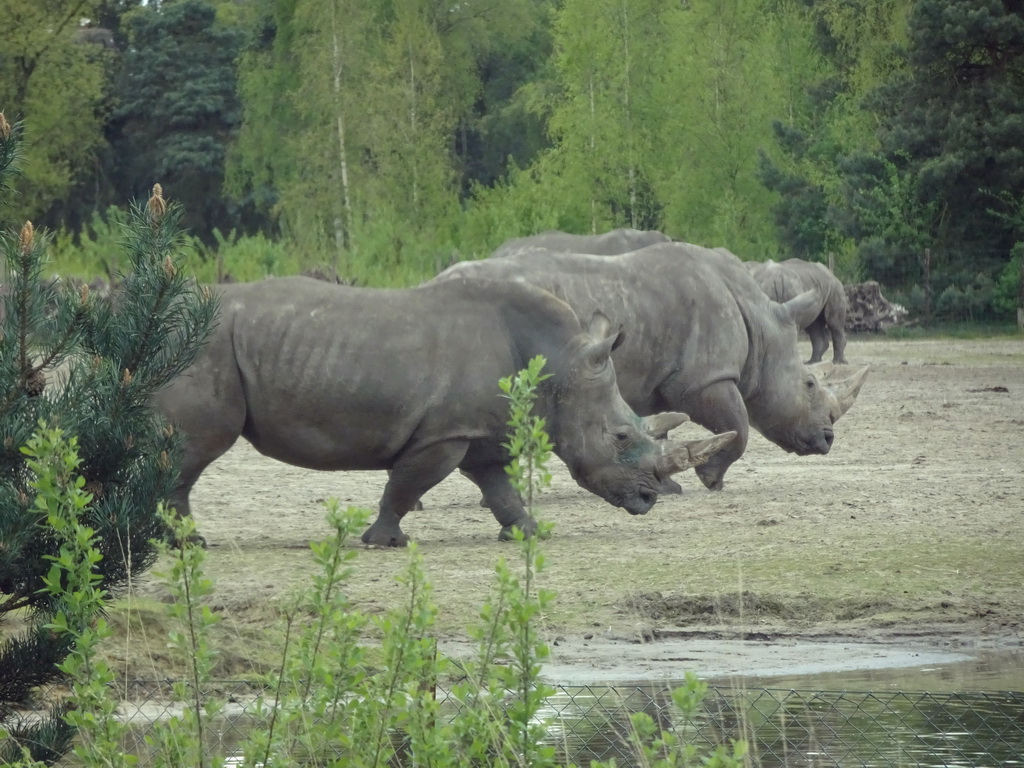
pixel 782 728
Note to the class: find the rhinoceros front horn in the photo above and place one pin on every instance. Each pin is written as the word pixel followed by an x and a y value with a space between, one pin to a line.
pixel 678 456
pixel 844 388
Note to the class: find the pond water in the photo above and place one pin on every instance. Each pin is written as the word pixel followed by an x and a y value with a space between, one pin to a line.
pixel 967 712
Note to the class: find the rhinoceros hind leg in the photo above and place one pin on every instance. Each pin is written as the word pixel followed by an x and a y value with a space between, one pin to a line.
pixel 838 345
pixel 413 474
pixel 818 333
pixel 502 499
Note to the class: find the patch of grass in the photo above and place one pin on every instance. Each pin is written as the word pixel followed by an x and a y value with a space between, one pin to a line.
pixel 954 330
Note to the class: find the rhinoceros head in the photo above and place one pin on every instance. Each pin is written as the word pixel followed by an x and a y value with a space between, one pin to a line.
pixel 796 405
pixel 608 449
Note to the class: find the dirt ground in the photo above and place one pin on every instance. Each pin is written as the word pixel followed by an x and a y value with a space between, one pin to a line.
pixel 907 536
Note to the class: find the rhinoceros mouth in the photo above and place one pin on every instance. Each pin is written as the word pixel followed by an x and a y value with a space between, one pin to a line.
pixel 641 503
pixel 818 445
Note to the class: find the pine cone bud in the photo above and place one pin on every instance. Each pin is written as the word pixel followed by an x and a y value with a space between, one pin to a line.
pixel 157 205
pixel 127 378
pixel 5 128
pixel 27 236
pixel 83 294
pixel 35 384
pixel 169 266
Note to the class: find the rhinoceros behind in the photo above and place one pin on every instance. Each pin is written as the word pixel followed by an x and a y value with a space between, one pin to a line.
pixel 702 337
pixel 787 279
pixel 332 377
pixel 609 243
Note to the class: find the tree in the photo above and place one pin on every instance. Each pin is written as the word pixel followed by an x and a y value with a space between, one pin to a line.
pixel 608 58
pixel 178 109
pixel 951 132
pixel 50 70
pixel 89 368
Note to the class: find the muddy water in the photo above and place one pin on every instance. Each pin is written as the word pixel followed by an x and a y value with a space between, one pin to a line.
pixel 980 671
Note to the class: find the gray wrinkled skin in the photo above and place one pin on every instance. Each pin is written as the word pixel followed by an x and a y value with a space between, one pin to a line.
pixel 701 337
pixel 785 280
pixel 332 377
pixel 609 243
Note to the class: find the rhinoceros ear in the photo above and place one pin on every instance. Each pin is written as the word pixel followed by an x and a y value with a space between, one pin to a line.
pixel 803 308
pixel 660 424
pixel 600 329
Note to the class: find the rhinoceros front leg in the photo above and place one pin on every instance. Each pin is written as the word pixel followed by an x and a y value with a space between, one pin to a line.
pixel 413 474
pixel 720 408
pixel 502 499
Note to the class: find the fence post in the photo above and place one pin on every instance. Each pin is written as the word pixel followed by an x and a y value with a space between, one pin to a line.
pixel 927 287
pixel 831 262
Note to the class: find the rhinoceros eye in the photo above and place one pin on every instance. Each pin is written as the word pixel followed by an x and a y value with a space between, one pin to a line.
pixel 622 436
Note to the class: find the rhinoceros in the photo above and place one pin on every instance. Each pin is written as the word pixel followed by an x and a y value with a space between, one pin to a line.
pixel 785 280
pixel 702 338
pixel 609 243
pixel 333 377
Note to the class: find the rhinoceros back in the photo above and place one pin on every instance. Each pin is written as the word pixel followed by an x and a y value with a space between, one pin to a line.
pixel 611 243
pixel 684 308
pixel 321 367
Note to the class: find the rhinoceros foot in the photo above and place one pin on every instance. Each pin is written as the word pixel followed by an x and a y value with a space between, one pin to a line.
pixel 712 476
pixel 380 536
pixel 527 525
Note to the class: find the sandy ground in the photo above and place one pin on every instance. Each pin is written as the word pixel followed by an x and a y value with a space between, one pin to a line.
pixel 905 539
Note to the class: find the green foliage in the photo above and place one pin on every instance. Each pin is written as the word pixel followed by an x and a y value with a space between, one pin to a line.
pixel 76 587
pixel 1009 289
pixel 528 446
pixel 90 369
pixel 96 250
pixel 657 748
pixel 56 82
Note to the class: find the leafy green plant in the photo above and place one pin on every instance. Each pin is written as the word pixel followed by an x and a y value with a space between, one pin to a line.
pixel 89 368
pixel 528 444
pixel 658 748
pixel 75 585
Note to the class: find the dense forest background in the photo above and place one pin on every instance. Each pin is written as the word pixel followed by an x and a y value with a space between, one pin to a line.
pixel 384 138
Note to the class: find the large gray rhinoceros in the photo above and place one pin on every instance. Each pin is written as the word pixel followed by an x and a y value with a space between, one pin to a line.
pixel 701 337
pixel 331 377
pixel 787 279
pixel 609 243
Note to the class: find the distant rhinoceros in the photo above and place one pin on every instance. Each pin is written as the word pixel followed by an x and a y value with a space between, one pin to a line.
pixel 701 337
pixel 609 243
pixel 785 280
pixel 332 377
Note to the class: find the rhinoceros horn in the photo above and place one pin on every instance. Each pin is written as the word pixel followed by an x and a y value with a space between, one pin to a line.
pixel 678 456
pixel 844 388
pixel 660 424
